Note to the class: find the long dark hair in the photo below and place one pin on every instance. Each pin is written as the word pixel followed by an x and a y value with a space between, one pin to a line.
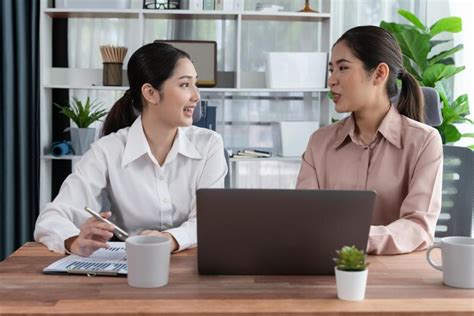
pixel 374 45
pixel 154 64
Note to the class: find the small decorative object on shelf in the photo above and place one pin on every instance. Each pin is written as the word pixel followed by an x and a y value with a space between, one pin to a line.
pixel 112 57
pixel 351 273
pixel 62 148
pixel 161 4
pixel 83 115
pixel 307 8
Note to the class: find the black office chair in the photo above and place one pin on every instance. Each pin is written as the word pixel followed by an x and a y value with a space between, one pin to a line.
pixel 433 104
pixel 433 115
pixel 457 202
pixel 458 191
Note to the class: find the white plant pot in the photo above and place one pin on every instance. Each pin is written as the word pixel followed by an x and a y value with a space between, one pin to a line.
pixel 81 139
pixel 351 284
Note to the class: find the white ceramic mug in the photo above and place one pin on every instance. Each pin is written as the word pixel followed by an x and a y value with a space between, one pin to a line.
pixel 148 260
pixel 457 255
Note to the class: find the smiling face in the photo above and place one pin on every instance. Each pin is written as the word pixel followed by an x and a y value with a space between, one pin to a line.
pixel 351 85
pixel 174 104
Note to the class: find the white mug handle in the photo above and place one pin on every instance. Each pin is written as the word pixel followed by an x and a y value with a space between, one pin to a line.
pixel 428 257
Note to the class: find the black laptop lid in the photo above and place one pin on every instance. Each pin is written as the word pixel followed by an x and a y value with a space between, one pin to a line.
pixel 270 232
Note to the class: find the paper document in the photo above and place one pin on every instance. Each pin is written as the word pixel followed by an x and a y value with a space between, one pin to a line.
pixel 111 261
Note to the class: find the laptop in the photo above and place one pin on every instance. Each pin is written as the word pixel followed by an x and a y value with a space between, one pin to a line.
pixel 278 232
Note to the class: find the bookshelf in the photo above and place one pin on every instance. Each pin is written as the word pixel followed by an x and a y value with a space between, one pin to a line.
pixel 237 81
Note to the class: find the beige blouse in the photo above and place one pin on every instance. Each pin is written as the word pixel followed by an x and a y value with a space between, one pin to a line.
pixel 403 165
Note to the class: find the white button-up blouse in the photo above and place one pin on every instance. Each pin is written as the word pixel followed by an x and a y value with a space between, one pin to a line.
pixel 143 195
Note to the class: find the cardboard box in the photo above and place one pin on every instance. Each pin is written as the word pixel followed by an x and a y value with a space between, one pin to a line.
pixel 290 138
pixel 296 70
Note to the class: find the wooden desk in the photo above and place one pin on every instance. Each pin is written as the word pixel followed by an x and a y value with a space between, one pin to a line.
pixel 403 284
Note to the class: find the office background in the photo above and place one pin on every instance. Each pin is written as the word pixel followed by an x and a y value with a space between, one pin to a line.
pixel 240 117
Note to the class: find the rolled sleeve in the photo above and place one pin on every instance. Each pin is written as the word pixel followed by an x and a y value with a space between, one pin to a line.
pixel 61 219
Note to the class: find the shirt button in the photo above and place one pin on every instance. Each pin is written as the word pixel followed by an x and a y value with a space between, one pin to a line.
pixel 165 200
pixel 161 178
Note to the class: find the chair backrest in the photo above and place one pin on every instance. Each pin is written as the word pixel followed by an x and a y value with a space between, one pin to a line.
pixel 197 115
pixel 433 115
pixel 457 206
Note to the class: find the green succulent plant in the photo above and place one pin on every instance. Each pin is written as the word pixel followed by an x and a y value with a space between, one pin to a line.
pixel 350 259
pixel 417 43
pixel 83 114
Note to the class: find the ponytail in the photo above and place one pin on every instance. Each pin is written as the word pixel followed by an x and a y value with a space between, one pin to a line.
pixel 122 114
pixel 411 101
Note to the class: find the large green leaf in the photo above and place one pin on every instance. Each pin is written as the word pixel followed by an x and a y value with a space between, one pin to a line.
pixel 461 105
pixel 393 27
pixel 415 45
pixel 449 115
pixel 437 72
pixel 439 57
pixel 451 24
pixel 433 43
pixel 413 19
pixel 448 61
pixel 449 133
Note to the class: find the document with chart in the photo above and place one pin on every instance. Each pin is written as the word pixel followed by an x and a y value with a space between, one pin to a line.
pixel 111 261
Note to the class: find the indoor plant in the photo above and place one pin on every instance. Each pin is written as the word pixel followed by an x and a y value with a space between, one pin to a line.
pixel 351 273
pixel 83 115
pixel 433 70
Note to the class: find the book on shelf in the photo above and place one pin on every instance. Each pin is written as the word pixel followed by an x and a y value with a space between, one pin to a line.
pixel 252 153
pixel 193 5
pixel 219 5
pixel 208 5
pixel 239 5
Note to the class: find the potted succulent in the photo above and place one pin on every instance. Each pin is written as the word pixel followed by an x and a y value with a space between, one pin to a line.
pixel 351 273
pixel 83 115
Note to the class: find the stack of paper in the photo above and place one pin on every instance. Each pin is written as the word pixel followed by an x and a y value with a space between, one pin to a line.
pixel 111 261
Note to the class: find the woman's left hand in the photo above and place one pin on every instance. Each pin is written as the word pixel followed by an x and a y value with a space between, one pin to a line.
pixel 174 243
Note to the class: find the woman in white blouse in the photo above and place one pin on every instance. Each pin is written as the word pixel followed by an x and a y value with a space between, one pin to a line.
pixel 149 163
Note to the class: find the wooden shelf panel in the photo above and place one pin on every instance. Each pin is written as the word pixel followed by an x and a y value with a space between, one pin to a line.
pixel 93 13
pixel 203 90
pixel 185 14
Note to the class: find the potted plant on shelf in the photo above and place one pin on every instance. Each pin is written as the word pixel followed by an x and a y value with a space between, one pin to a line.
pixel 418 42
pixel 351 273
pixel 83 115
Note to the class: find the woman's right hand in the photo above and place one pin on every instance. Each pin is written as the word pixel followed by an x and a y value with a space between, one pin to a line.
pixel 94 235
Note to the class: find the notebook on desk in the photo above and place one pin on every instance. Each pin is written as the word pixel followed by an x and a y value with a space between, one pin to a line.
pixel 278 232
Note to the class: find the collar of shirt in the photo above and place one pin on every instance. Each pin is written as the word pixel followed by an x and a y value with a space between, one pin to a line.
pixel 390 129
pixel 137 145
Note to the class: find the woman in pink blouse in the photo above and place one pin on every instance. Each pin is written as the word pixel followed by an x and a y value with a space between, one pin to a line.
pixel 381 146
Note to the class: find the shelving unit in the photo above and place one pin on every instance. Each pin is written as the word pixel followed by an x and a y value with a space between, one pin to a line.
pixel 237 81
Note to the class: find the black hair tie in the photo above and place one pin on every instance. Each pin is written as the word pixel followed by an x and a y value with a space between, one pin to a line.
pixel 401 74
